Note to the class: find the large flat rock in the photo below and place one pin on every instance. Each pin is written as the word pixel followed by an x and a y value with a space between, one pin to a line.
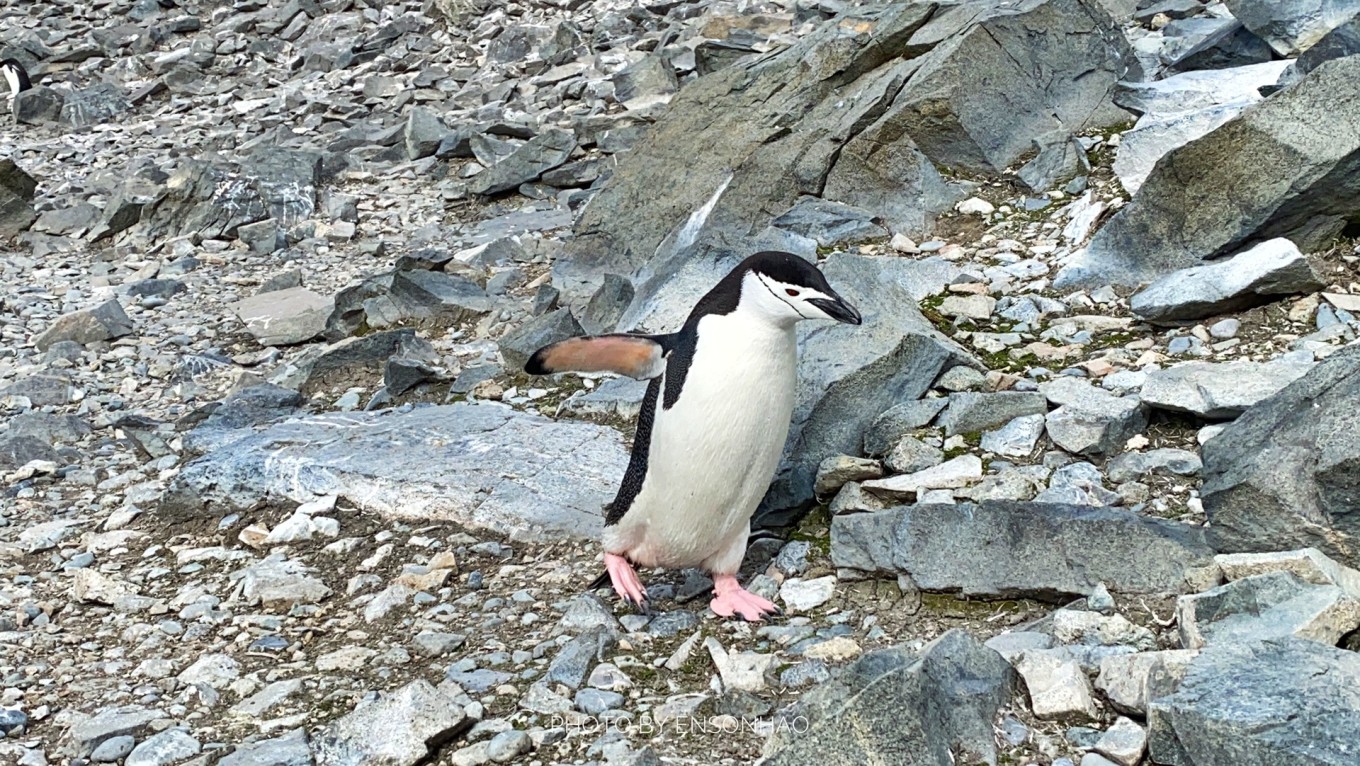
pixel 484 465
pixel 1020 549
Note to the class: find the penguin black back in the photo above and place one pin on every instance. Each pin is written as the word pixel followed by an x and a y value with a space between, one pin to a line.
pixel 16 76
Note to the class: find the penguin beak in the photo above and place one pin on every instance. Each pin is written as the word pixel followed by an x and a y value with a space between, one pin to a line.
pixel 838 309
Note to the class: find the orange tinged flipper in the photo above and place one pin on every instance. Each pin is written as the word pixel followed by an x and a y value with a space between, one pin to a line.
pixel 638 356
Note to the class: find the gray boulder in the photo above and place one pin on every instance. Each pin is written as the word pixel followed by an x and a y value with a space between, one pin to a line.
pixel 215 198
pixel 17 451
pixel 424 133
pixel 887 429
pixel 37 105
pixel 1285 167
pixel 1180 109
pixel 288 750
pixel 1270 605
pixel 419 297
pixel 830 224
pixel 256 405
pixel 16 199
pixel 1250 278
pixel 94 105
pixel 1131 466
pixel 541 153
pixel 1227 45
pixel 1060 82
pixel 479 464
pixel 399 728
pixel 1286 700
pixel 1342 41
pixel 974 412
pixel 103 322
pixel 1019 549
pixel 931 707
pixel 1284 474
pixel 1098 425
pixel 1292 26
pixel 649 81
pixel 284 317
pixel 855 113
pixel 88 733
pixel 351 362
pixel 847 375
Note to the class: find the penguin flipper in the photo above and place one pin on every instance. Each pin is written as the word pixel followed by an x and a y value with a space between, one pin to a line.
pixel 641 357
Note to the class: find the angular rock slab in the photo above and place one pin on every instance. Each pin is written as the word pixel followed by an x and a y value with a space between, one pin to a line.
pixel 1180 109
pixel 1271 605
pixel 897 706
pixel 1292 26
pixel 1308 564
pixel 1265 703
pixel 1051 66
pixel 396 729
pixel 288 750
pixel 1218 390
pixel 103 322
pixel 847 374
pixel 1020 549
pixel 1128 680
pixel 402 297
pixel 284 317
pixel 480 464
pixel 1285 474
pixel 1288 166
pixel 542 153
pixel 1250 278
pixel 734 150
pixel 840 114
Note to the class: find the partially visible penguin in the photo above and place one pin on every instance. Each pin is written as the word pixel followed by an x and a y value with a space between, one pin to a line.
pixel 713 423
pixel 16 76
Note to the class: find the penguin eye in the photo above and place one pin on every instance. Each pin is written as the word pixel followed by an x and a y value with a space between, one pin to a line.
pixel 791 292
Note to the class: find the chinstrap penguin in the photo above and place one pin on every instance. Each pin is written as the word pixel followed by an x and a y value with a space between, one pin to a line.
pixel 16 76
pixel 713 423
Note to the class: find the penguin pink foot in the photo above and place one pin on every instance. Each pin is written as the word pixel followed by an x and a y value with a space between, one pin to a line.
pixel 730 598
pixel 625 580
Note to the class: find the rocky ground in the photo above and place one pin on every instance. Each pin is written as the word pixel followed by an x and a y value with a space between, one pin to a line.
pixel 1079 491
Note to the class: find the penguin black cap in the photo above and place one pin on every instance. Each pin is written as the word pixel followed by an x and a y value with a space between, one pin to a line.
pixel 790 269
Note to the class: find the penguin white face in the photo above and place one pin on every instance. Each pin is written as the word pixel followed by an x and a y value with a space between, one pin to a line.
pixel 786 289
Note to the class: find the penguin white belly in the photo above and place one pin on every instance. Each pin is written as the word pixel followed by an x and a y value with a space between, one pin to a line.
pixel 712 456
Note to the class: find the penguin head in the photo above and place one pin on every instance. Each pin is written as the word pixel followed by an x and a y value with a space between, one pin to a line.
pixel 786 289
